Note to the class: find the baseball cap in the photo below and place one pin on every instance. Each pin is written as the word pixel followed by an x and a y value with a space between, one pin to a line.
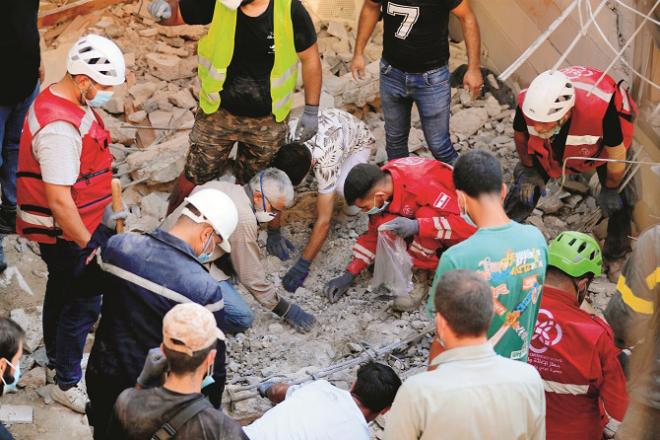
pixel 189 327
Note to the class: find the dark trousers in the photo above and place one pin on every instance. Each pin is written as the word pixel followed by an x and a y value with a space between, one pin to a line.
pixel 71 308
pixel 103 391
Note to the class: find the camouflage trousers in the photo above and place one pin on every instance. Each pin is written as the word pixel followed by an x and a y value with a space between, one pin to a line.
pixel 212 140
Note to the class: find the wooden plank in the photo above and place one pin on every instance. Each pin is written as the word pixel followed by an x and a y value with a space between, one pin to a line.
pixel 71 10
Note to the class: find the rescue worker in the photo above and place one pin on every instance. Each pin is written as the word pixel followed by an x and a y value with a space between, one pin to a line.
pixel 634 314
pixel 63 195
pixel 146 275
pixel 415 199
pixel 573 350
pixel 573 112
pixel 342 142
pixel 259 202
pixel 248 68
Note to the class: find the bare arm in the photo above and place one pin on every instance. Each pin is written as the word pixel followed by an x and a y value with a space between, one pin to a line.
pixel 472 79
pixel 324 207
pixel 368 19
pixel 520 139
pixel 66 213
pixel 615 170
pixel 311 74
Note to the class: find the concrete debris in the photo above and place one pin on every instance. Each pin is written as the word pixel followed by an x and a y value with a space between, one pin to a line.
pixel 183 99
pixel 468 121
pixel 161 163
pixel 170 67
pixel 15 413
pixel 30 321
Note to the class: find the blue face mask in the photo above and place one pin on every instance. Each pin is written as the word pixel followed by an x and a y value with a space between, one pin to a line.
pixel 205 257
pixel 208 380
pixel 11 387
pixel 375 210
pixel 102 98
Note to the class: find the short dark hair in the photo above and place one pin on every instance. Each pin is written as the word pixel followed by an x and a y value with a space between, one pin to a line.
pixel 295 160
pixel 464 299
pixel 478 172
pixel 182 363
pixel 11 335
pixel 360 180
pixel 376 386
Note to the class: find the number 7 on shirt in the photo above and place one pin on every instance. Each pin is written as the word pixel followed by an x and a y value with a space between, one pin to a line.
pixel 410 15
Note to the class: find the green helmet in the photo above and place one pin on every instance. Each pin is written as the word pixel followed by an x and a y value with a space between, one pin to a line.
pixel 575 254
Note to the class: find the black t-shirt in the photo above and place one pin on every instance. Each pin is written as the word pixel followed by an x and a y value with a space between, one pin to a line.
pixel 415 37
pixel 140 413
pixel 246 91
pixel 19 43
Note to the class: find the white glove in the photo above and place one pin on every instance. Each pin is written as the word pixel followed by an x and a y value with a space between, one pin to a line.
pixel 160 9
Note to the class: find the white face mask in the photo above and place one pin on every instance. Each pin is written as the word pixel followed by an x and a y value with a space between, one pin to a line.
pixel 232 4
pixel 264 216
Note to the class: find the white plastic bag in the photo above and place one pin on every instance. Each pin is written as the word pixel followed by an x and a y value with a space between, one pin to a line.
pixel 393 265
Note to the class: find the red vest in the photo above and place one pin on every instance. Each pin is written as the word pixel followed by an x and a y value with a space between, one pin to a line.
pixel 91 192
pixel 585 134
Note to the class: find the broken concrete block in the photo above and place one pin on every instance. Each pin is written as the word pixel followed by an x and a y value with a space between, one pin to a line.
pixel 30 322
pixel 492 106
pixel 170 67
pixel 184 99
pixel 160 119
pixel 141 92
pixel 119 134
pixel 137 117
pixel 468 121
pixel 170 50
pixel 189 32
pixel 154 204
pixel 338 29
pixel 161 163
pixel 16 413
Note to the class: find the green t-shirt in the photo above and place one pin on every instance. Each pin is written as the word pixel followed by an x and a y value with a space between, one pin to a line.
pixel 513 258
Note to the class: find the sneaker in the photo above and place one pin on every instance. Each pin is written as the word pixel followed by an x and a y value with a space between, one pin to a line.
pixel 410 302
pixel 73 398
pixel 7 221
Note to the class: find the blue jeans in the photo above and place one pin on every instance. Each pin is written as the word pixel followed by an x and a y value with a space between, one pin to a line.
pixel 432 94
pixel 238 315
pixel 11 126
pixel 71 308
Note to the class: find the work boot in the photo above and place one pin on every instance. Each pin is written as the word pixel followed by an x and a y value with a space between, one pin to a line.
pixel 410 302
pixel 73 398
pixel 7 220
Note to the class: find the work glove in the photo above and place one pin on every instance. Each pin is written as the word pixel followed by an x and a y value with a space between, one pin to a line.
pixel 308 124
pixel 160 10
pixel 154 368
pixel 295 316
pixel 278 245
pixel 337 287
pixel 401 226
pixel 263 387
pixel 610 201
pixel 529 184
pixel 296 276
pixel 110 217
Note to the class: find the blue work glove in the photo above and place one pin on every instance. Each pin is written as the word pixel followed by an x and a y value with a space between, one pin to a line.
pixel 295 316
pixel 153 370
pixel 110 217
pixel 278 245
pixel 308 124
pixel 337 287
pixel 528 182
pixel 296 276
pixel 263 387
pixel 401 226
pixel 610 201
pixel 160 9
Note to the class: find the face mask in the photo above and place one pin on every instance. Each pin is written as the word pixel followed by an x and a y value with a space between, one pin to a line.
pixel 208 380
pixel 555 131
pixel 375 210
pixel 263 216
pixel 204 257
pixel 465 216
pixel 11 387
pixel 102 98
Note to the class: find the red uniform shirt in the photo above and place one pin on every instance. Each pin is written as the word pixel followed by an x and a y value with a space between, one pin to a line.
pixel 575 354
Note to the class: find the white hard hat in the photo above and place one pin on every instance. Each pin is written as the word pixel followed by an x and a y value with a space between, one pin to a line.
pixel 217 209
pixel 549 97
pixel 98 58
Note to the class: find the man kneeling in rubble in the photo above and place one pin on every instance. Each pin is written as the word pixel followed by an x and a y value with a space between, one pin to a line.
pixel 414 198
pixel 258 202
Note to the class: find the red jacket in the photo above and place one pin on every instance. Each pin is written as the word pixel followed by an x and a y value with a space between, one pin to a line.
pixel 91 192
pixel 423 190
pixel 575 354
pixel 585 134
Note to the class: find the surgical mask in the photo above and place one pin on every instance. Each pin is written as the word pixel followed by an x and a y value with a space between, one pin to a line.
pixel 205 257
pixel 375 210
pixel 555 131
pixel 11 387
pixel 263 216
pixel 102 98
pixel 465 216
pixel 208 380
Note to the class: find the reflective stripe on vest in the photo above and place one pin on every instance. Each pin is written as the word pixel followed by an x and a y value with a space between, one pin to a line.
pixel 564 388
pixel 216 49
pixel 151 286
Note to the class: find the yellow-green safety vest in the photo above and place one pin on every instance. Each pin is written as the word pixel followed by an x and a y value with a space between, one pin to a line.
pixel 216 50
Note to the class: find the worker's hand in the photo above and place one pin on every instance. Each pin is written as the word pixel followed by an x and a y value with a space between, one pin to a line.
pixel 153 370
pixel 337 287
pixel 308 124
pixel 160 10
pixel 295 316
pixel 110 217
pixel 401 226
pixel 473 81
pixel 529 184
pixel 296 276
pixel 278 245
pixel 610 201
pixel 358 66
